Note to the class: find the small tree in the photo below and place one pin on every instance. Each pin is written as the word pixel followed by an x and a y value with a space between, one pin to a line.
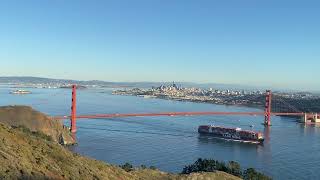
pixel 234 168
pixel 143 166
pixel 202 165
pixel 210 165
pixel 153 167
pixel 252 174
pixel 221 166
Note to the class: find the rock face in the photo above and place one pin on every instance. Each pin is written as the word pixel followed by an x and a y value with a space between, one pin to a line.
pixel 36 121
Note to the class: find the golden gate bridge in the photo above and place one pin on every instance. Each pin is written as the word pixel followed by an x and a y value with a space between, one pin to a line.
pixel 267 113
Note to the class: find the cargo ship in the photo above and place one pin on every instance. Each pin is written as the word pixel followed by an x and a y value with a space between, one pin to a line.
pixel 233 134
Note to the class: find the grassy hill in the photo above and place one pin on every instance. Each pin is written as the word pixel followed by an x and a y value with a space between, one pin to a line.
pixel 27 155
pixel 35 121
pixel 29 149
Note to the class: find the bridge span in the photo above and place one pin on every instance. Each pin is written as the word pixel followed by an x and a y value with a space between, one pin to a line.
pixel 115 115
pixel 267 113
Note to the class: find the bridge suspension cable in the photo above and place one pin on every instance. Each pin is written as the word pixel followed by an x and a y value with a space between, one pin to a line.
pixel 267 113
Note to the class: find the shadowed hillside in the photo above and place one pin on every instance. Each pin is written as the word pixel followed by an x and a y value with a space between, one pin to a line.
pixel 35 121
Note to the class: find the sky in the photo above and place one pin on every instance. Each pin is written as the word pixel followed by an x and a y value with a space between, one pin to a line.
pixel 273 43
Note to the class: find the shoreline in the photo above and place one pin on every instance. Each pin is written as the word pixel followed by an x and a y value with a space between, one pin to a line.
pixel 257 107
pixel 193 101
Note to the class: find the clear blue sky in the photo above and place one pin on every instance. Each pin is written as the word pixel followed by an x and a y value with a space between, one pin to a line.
pixel 254 42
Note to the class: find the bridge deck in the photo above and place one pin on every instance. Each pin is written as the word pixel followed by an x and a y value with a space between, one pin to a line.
pixel 94 116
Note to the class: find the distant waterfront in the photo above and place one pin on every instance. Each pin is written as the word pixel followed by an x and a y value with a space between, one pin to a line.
pixel 300 101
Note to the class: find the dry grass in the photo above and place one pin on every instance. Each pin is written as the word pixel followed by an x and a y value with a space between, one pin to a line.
pixel 32 155
pixel 35 121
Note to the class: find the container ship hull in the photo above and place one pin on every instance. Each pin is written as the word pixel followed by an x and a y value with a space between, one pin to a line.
pixel 231 134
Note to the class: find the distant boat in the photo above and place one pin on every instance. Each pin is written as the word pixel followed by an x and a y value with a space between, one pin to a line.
pixel 149 96
pixel 20 91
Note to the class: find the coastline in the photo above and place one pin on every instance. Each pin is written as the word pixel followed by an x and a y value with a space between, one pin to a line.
pixel 194 101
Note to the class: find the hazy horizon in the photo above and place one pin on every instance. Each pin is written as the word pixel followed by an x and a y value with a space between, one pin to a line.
pixel 197 84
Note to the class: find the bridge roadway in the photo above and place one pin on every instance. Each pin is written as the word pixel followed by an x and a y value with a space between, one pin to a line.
pixel 103 116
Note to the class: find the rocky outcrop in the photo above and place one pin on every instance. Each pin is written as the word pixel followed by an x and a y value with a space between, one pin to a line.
pixel 37 122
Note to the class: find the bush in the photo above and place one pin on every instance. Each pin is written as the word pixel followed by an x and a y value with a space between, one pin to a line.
pixel 203 165
pixel 153 168
pixel 252 174
pixel 33 133
pixel 210 165
pixel 234 168
pixel 127 167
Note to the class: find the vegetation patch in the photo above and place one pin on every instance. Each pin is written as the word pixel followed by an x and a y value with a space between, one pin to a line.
pixel 28 132
pixel 129 167
pixel 232 167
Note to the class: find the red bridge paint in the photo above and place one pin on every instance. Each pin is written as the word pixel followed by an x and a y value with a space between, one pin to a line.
pixel 102 116
pixel 73 109
pixel 267 116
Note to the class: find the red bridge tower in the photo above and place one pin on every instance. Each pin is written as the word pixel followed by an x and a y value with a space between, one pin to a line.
pixel 73 109
pixel 267 113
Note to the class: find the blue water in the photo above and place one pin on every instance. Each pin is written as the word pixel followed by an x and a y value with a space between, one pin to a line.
pixel 291 150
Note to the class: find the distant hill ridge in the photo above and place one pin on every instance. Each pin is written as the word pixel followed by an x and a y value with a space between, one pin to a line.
pixel 146 84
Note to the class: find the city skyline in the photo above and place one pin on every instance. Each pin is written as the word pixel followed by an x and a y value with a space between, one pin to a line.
pixel 273 44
